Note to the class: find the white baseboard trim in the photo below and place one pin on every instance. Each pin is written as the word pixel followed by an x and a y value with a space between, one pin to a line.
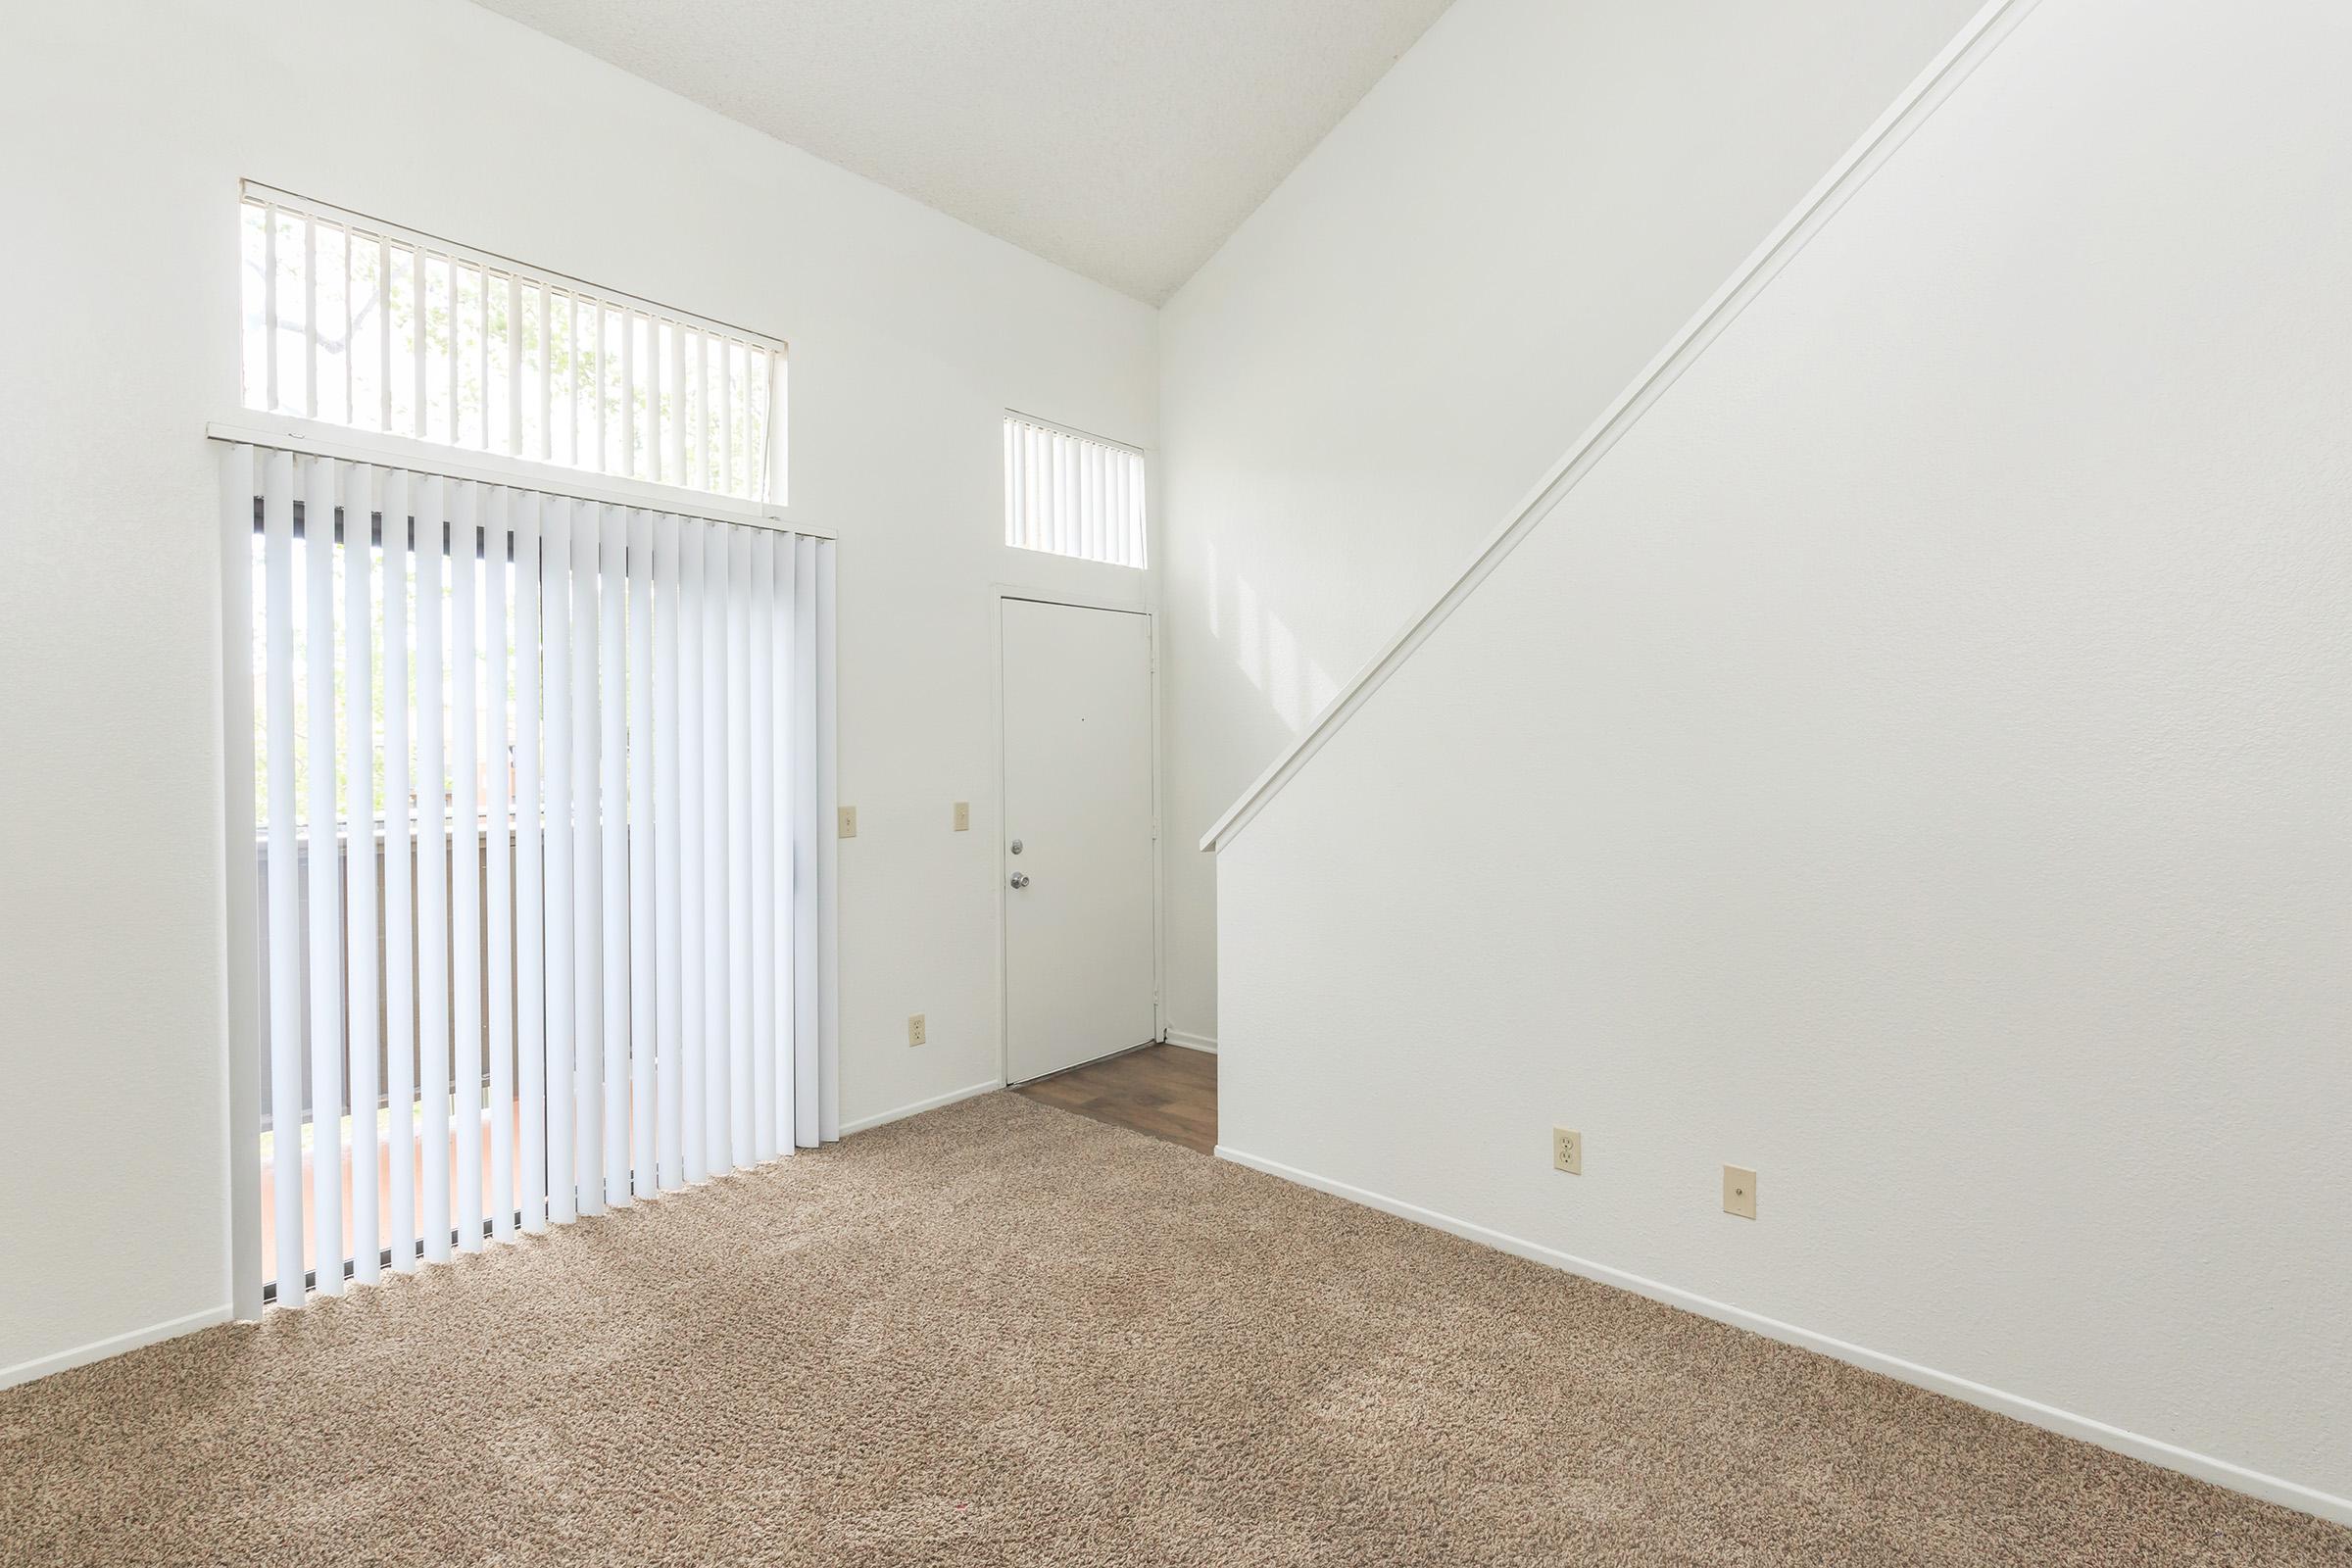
pixel 2204 1467
pixel 864 1123
pixel 99 1350
pixel 1193 1042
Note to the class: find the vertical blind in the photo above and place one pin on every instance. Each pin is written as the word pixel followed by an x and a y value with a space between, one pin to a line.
pixel 544 914
pixel 1072 495
pixel 360 323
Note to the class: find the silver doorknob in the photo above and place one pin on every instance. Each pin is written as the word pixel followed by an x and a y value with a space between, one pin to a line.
pixel 1020 879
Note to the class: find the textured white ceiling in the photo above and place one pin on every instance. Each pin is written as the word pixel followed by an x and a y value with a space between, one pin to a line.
pixel 1123 138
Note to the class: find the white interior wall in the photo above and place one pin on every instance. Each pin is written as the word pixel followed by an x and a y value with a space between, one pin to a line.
pixel 1911 764
pixel 127 129
pixel 1414 326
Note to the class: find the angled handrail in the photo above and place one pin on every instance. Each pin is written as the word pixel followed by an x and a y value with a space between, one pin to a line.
pixel 1910 110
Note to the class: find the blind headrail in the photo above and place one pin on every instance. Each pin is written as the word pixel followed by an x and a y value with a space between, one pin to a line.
pixel 319 439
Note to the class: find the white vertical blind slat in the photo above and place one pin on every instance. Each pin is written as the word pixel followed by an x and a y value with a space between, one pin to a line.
pixel 808 826
pixel 1047 475
pixel 658 385
pixel 284 878
pixel 326 887
pixel 310 358
pixel 450 356
pixel 1089 502
pixel 1139 514
pixel 587 864
pixel 543 374
pixel 1013 484
pixel 628 393
pixel 1029 487
pixel 1136 551
pixel 768 429
pixel 600 366
pixel 247 990
pixel 530 918
pixel 1115 508
pixel 466 859
pixel 695 445
pixel 785 799
pixel 673 423
pixel 561 901
pixel 575 401
pixel 644 1173
pixel 432 876
pixel 270 308
pixel 1045 480
pixel 359 817
pixel 1114 518
pixel 531 899
pixel 760 737
pixel 400 883
pixel 613 762
pixel 740 845
pixel 514 442
pixel 1064 455
pixel 499 858
pixel 416 350
pixel 693 1057
pixel 351 335
pixel 1119 470
pixel 824 744
pixel 481 351
pixel 717 869
pixel 726 415
pixel 383 334
pixel 669 1153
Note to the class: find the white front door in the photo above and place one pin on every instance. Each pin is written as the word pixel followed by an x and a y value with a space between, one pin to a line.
pixel 1078 836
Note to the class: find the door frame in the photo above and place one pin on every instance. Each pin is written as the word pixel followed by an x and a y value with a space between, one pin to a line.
pixel 998 594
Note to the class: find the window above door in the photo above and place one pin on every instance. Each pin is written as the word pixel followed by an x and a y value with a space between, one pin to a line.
pixel 1070 494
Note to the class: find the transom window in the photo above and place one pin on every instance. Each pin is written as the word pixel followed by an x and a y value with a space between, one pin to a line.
pixel 357 323
pixel 1070 494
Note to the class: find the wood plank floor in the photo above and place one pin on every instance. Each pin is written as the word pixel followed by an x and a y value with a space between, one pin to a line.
pixel 1160 1090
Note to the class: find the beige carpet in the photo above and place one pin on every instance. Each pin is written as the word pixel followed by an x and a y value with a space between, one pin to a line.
pixel 1005 1334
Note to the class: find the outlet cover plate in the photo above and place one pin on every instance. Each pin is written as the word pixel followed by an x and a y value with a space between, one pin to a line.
pixel 1568 1150
pixel 916 1030
pixel 964 817
pixel 1739 1192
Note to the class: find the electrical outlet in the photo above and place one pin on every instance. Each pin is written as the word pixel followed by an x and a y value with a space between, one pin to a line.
pixel 1567 1150
pixel 915 1032
pixel 1739 1192
pixel 849 821
pixel 964 817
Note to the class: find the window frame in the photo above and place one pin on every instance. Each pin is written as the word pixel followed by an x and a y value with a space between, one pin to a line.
pixel 769 496
pixel 1137 528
